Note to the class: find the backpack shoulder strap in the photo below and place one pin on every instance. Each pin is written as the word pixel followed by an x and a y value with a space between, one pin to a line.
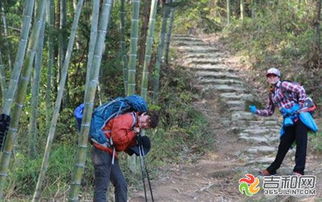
pixel 135 119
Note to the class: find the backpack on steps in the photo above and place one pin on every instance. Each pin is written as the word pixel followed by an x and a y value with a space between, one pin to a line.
pixel 107 111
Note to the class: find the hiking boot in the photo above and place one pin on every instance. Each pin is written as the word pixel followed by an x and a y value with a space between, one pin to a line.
pixel 264 173
pixel 297 173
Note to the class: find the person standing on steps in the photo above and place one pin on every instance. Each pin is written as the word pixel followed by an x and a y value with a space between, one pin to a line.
pixel 291 99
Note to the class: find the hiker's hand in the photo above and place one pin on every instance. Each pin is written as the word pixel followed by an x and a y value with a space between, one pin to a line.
pixel 139 140
pixel 286 112
pixel 137 129
pixel 290 111
pixel 252 109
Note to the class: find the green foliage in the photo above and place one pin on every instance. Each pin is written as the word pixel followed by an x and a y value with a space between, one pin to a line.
pixel 24 172
pixel 316 141
pixel 280 36
pixel 205 15
pixel 182 128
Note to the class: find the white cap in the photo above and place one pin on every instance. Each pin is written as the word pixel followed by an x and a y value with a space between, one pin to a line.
pixel 273 71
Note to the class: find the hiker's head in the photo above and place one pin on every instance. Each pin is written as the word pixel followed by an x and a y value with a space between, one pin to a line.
pixel 148 119
pixel 273 75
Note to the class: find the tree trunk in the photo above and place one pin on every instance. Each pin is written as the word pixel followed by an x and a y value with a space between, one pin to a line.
pixel 32 132
pixel 27 16
pixel 133 46
pixel 2 81
pixel 148 50
pixel 169 32
pixel 51 57
pixel 62 45
pixel 317 47
pixel 144 30
pixel 159 59
pixel 132 65
pixel 242 10
pixel 253 6
pixel 52 129
pixel 123 45
pixel 21 92
pixel 91 85
pixel 5 32
pixel 228 11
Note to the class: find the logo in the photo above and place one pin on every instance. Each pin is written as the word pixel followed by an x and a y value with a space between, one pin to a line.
pixel 304 185
pixel 248 185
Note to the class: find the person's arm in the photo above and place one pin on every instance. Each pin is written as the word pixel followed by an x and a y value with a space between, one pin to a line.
pixel 268 111
pixel 298 89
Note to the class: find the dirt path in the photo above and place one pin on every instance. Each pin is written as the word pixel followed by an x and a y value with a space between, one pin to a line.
pixel 244 143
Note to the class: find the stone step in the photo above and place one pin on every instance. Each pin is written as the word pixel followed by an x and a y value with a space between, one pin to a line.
pixel 274 137
pixel 261 160
pixel 256 123
pixel 236 96
pixel 209 68
pixel 207 88
pixel 261 149
pixel 257 132
pixel 253 139
pixel 268 118
pixel 216 75
pixel 180 43
pixel 275 130
pixel 236 103
pixel 203 55
pixel 236 109
pixel 202 61
pixel 221 81
pixel 185 38
pixel 228 88
pixel 270 123
pixel 198 49
pixel 241 115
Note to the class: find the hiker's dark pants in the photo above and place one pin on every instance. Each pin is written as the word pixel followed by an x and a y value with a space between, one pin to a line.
pixel 104 172
pixel 297 132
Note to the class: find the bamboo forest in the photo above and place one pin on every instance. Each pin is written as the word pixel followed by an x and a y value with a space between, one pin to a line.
pixel 160 100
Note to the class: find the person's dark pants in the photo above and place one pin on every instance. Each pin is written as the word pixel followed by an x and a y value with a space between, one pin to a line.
pixel 104 172
pixel 297 132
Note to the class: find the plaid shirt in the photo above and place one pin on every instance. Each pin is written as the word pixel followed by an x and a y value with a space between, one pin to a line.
pixel 284 95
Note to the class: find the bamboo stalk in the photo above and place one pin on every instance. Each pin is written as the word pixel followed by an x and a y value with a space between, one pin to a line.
pixel 21 92
pixel 12 87
pixel 51 58
pixel 32 131
pixel 91 86
pixel 123 45
pixel 52 129
pixel 160 58
pixel 148 49
pixel 169 32
pixel 133 47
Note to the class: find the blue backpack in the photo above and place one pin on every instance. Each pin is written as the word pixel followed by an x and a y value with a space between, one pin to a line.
pixel 107 111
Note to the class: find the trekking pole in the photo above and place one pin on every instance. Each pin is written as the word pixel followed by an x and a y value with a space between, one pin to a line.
pixel 147 173
pixel 142 171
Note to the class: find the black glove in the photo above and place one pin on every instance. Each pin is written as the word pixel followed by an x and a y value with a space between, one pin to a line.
pixel 139 139
pixel 4 125
pixel 143 142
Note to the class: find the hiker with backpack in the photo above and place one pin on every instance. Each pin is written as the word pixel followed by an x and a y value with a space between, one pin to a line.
pixel 295 106
pixel 116 127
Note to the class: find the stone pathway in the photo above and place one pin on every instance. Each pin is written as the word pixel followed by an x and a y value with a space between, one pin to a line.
pixel 244 144
pixel 213 74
